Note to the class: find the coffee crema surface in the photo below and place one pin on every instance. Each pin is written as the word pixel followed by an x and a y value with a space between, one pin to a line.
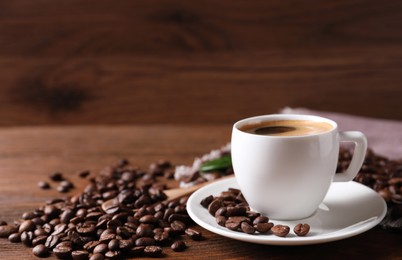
pixel 287 128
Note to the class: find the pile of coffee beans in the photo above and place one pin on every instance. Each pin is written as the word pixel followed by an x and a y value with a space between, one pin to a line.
pixel 379 173
pixel 384 176
pixel 64 185
pixel 121 213
pixel 231 211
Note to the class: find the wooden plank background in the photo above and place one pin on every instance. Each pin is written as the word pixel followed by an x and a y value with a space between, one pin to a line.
pixel 72 62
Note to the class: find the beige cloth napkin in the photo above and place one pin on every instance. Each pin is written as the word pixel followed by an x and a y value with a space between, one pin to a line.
pixel 384 136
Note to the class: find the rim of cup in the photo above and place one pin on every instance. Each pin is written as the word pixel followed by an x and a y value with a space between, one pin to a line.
pixel 277 117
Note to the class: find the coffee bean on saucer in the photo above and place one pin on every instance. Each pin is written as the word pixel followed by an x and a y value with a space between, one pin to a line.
pixel 221 220
pixel 247 228
pixel 280 230
pixel 206 201
pixel 214 206
pixel 263 227
pixel 301 229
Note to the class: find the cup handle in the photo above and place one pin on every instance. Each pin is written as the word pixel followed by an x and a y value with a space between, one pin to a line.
pixel 359 153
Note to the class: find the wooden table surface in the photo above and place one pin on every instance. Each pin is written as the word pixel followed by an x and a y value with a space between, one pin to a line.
pixel 30 154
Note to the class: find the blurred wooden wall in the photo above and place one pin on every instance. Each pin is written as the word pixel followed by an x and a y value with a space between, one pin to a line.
pixel 178 61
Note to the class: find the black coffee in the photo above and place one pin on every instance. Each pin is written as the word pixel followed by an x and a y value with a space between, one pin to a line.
pixel 287 128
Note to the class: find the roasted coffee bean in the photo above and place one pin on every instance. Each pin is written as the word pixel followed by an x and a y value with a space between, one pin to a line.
pixel 38 221
pixel 26 225
pixel 142 200
pixel 55 222
pixel 107 237
pixel 97 256
pixel 47 228
pixel 239 219
pixel 51 211
pixel 112 254
pixel 221 212
pixel 236 211
pixel 148 219
pixel 280 230
pixel 124 232
pixel 3 223
pixel 65 244
pixel 178 246
pixel 125 244
pixel 57 176
pixel 260 219
pixel 6 230
pixel 40 251
pixel 75 238
pixel 180 217
pixel 52 241
pixel 168 213
pixel 232 225
pixel 43 185
pixel 62 189
pixel 144 230
pixel 80 255
pixel 27 237
pixel 83 174
pixel 178 226
pixel 59 228
pixel 66 215
pixel 39 240
pixel 67 184
pixel 395 181
pixel 247 228
pixel 263 227
pixel 101 248
pixel 91 245
pixel 81 212
pixel 113 245
pixel 153 251
pixel 109 194
pixel 162 237
pixel 228 196
pixel 193 234
pixel 62 252
pixel 206 201
pixel 221 220
pixel 85 228
pixel 214 206
pixel 136 251
pixel 40 232
pixel 301 229
pixel 14 238
pixel 113 224
pixel 145 241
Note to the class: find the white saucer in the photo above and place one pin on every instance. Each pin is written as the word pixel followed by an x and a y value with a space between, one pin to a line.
pixel 348 209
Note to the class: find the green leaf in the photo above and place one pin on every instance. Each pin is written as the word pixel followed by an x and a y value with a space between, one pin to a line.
pixel 221 163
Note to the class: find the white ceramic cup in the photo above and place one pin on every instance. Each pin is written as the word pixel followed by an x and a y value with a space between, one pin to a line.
pixel 287 177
